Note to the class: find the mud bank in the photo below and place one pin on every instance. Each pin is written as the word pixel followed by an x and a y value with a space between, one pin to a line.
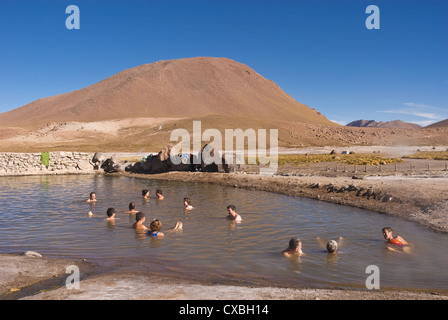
pixel 422 200
pixel 124 286
pixel 21 275
pixel 31 278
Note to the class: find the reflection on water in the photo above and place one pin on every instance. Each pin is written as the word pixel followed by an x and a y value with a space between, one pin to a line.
pixel 49 214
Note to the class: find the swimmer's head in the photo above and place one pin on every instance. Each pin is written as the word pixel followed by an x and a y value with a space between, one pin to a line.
pixel 387 232
pixel 159 191
pixel 110 212
pixel 187 200
pixel 139 216
pixel 332 246
pixel 144 192
pixel 294 243
pixel 155 225
pixel 92 195
pixel 132 206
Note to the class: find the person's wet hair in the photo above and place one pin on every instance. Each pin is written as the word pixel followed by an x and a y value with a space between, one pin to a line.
pixel 155 225
pixel 388 229
pixel 231 207
pixel 132 206
pixel 144 192
pixel 332 246
pixel 294 243
pixel 139 216
pixel 110 212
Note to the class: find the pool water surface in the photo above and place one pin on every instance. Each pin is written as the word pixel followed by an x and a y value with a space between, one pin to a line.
pixel 49 214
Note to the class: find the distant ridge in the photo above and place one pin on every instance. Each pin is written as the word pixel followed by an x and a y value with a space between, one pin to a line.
pixel 182 88
pixel 443 123
pixel 397 124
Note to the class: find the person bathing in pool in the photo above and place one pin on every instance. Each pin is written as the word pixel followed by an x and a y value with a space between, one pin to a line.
pixel 388 234
pixel 156 226
pixel 92 197
pixel 332 246
pixel 187 204
pixel 159 194
pixel 132 208
pixel 232 215
pixel 110 215
pixel 294 248
pixel 139 220
pixel 145 195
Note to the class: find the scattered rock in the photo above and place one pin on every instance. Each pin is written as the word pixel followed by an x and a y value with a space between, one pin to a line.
pixel 32 254
pixel 332 188
pixel 369 193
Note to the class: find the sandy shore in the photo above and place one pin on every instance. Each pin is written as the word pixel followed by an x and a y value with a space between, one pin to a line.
pixel 32 278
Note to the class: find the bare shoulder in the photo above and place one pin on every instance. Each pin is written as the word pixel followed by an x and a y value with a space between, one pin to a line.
pixel 286 254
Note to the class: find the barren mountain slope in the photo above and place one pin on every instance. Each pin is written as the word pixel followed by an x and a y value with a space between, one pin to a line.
pixel 192 87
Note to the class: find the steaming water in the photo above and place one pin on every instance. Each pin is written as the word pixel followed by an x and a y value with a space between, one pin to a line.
pixel 48 214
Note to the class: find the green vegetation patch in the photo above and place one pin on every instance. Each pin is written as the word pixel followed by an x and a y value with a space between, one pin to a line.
pixel 430 155
pixel 350 159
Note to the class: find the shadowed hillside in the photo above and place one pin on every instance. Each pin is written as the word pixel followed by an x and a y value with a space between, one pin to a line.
pixel 397 124
pixel 443 123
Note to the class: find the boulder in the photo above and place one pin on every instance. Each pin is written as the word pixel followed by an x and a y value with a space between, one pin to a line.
pixel 181 162
pixel 158 165
pixel 164 161
pixel 209 154
pixel 97 160
pixel 32 254
pixel 113 164
pixel 83 166
pixel 233 162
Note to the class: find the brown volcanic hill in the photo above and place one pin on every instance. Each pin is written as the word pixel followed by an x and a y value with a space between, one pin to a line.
pixel 192 87
pixel 443 123
pixel 397 124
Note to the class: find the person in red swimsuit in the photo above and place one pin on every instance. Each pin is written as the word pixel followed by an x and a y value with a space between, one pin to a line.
pixel 388 234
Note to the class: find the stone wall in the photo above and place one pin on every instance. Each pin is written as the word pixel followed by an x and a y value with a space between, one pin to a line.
pixel 31 164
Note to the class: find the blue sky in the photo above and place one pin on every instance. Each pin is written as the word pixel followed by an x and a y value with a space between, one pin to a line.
pixel 319 52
